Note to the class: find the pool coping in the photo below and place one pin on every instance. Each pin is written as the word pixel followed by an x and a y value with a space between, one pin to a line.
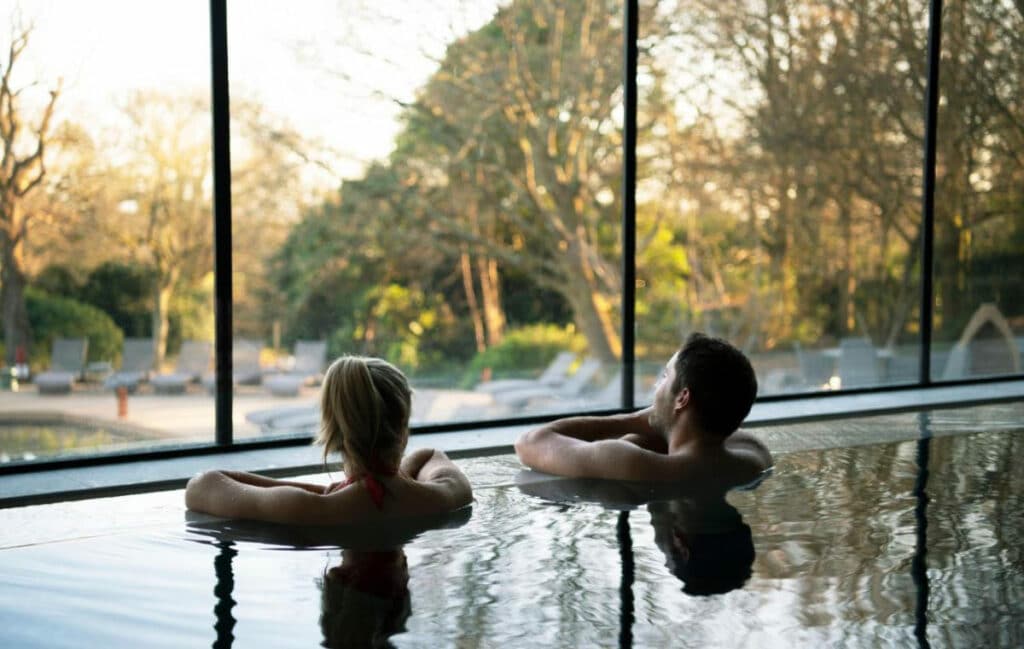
pixel 76 483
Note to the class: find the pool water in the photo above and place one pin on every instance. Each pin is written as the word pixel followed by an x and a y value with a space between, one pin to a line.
pixel 908 543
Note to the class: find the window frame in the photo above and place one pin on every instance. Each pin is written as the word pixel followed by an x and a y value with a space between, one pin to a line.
pixel 222 210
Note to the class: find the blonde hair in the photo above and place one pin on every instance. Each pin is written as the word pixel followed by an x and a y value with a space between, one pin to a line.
pixel 365 405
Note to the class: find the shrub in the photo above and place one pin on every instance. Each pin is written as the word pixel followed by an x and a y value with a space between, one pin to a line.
pixel 124 292
pixel 524 352
pixel 60 317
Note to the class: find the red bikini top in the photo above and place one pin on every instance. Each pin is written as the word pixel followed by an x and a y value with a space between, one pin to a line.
pixel 373 487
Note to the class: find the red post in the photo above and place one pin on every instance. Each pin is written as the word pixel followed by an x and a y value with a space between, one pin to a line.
pixel 122 402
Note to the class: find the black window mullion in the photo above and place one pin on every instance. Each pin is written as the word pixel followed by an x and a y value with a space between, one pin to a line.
pixel 928 190
pixel 221 219
pixel 630 34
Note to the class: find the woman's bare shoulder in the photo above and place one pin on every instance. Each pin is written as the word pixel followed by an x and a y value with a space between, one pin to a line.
pixel 749 448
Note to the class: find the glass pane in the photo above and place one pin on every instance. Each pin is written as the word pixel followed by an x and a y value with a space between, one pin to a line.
pixel 979 200
pixel 106 253
pixel 437 185
pixel 778 190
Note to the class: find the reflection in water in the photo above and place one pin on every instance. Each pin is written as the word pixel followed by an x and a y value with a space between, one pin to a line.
pixel 919 565
pixel 365 600
pixel 705 542
pixel 224 622
pixel 626 586
pixel 707 545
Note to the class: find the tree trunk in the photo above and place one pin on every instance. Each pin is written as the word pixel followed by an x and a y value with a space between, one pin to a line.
pixel 592 314
pixel 17 332
pixel 474 308
pixel 161 308
pixel 846 321
pixel 490 291
pixel 951 205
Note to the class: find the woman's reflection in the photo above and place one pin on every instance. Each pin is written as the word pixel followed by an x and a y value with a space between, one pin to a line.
pixel 365 600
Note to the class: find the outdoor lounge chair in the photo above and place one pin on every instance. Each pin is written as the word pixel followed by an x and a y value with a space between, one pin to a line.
pixel 986 347
pixel 193 362
pixel 815 367
pixel 555 374
pixel 858 363
pixel 136 364
pixel 572 387
pixel 310 356
pixel 67 362
pixel 245 364
pixel 608 396
pixel 286 419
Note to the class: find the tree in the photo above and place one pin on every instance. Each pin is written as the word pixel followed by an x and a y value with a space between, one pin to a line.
pixel 22 170
pixel 517 125
pixel 163 218
pixel 818 157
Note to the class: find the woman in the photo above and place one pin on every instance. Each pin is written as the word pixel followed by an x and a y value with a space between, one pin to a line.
pixel 365 406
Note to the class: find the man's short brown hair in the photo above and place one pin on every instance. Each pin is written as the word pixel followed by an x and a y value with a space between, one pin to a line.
pixel 721 381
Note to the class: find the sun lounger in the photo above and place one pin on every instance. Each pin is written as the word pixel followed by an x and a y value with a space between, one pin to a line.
pixel 310 356
pixel 609 396
pixel 67 362
pixel 986 347
pixel 136 364
pixel 858 363
pixel 288 419
pixel 556 373
pixel 193 362
pixel 572 387
pixel 245 365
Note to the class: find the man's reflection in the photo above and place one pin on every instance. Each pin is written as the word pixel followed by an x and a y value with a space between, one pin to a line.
pixel 365 600
pixel 707 545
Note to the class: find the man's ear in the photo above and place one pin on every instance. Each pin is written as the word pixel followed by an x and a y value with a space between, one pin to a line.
pixel 682 400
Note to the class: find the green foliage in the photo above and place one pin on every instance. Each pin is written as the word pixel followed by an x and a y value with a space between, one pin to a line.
pixel 528 348
pixel 125 293
pixel 60 317
pixel 190 315
pixel 57 279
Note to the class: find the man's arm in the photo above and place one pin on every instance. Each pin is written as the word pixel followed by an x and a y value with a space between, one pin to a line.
pixel 592 429
pixel 597 447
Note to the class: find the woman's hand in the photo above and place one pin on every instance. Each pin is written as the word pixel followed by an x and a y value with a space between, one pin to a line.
pixel 334 486
pixel 414 462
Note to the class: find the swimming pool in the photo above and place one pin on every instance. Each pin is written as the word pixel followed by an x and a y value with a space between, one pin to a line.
pixel 889 543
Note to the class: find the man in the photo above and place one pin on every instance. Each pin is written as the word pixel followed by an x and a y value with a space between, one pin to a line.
pixel 687 434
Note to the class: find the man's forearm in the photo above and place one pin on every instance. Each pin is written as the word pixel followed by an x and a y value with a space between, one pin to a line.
pixel 592 429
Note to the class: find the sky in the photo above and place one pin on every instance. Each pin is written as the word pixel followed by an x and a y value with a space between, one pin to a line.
pixel 301 60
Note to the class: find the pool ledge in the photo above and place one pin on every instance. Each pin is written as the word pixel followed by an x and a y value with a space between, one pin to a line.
pixel 172 473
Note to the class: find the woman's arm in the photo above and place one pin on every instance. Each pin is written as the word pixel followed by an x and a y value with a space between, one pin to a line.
pixel 218 493
pixel 257 480
pixel 413 462
pixel 447 481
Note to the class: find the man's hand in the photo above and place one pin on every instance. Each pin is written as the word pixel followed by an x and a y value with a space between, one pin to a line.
pixel 654 443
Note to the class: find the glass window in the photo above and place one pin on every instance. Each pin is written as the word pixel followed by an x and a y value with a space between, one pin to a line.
pixel 437 186
pixel 778 187
pixel 979 201
pixel 106 251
